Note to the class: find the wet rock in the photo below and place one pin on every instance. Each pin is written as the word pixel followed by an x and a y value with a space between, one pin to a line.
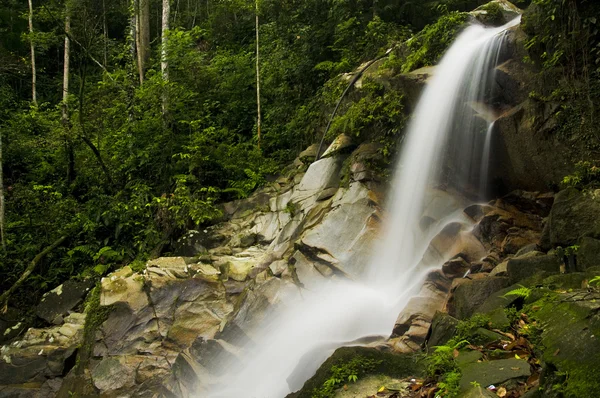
pixel 519 268
pixel 527 155
pixel 393 365
pixel 415 319
pixel 588 254
pixel 570 327
pixel 443 328
pixel 366 163
pixel 478 392
pixel 194 242
pixel 110 374
pixel 243 207
pixel 517 239
pixel 309 154
pixel 470 294
pixel 575 215
pixel 349 246
pixel 42 353
pixel 507 12
pixel 11 324
pixel 493 372
pixel 321 175
pixel 58 302
pixel 455 268
pixel 341 144
pixel 531 202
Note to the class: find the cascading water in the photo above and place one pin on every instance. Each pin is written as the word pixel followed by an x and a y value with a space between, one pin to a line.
pixel 445 147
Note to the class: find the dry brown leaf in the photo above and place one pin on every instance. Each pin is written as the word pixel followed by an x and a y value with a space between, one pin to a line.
pixel 455 353
pixel 501 392
pixel 556 352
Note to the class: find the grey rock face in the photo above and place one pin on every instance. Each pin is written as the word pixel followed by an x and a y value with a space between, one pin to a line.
pixel 58 302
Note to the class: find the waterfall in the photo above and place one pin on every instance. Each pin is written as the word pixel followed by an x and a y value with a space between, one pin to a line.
pixel 447 145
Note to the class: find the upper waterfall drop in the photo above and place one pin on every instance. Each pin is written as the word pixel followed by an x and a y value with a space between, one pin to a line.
pixel 445 145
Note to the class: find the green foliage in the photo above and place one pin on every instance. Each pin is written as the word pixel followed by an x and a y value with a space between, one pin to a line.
pixel 568 251
pixel 427 47
pixel 343 373
pixel 442 366
pixel 522 292
pixel 378 113
pixel 466 328
pixel 586 175
pixel 564 43
pixel 493 13
pixel 595 280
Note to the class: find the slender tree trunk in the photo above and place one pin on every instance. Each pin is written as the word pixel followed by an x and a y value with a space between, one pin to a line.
pixel 2 211
pixel 30 268
pixel 65 98
pixel 143 35
pixel 84 136
pixel 164 62
pixel 33 69
pixel 259 118
pixel 105 32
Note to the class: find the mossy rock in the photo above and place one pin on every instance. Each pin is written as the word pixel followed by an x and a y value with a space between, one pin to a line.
pixel 392 365
pixel 492 372
pixel 443 328
pixel 570 341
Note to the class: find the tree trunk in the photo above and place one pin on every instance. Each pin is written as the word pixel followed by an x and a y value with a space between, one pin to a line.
pixel 84 136
pixel 33 69
pixel 143 35
pixel 164 62
pixel 4 297
pixel 259 118
pixel 65 98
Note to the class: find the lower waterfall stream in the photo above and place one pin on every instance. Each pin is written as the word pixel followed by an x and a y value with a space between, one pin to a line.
pixel 447 145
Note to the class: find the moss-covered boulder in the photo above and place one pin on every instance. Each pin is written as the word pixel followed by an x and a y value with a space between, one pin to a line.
pixel 470 294
pixel 570 342
pixel 524 267
pixel 380 363
pixel 575 215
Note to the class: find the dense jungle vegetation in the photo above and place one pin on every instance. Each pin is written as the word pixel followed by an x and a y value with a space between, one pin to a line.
pixel 120 131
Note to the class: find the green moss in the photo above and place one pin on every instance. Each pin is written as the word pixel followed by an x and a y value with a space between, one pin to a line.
pixel 493 14
pixel 343 373
pixel 96 314
pixel 427 47
pixel 370 362
pixel 568 324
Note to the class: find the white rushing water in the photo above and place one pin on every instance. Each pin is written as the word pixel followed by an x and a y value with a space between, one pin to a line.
pixel 445 144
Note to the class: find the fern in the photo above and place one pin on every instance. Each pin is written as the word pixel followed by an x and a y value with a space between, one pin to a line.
pixel 523 292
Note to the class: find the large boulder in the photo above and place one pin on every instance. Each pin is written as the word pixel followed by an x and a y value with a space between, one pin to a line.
pixel 58 302
pixel 320 176
pixel 470 294
pixel 570 325
pixel 520 268
pixel 588 255
pixel 527 155
pixel 575 215
pixel 347 249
